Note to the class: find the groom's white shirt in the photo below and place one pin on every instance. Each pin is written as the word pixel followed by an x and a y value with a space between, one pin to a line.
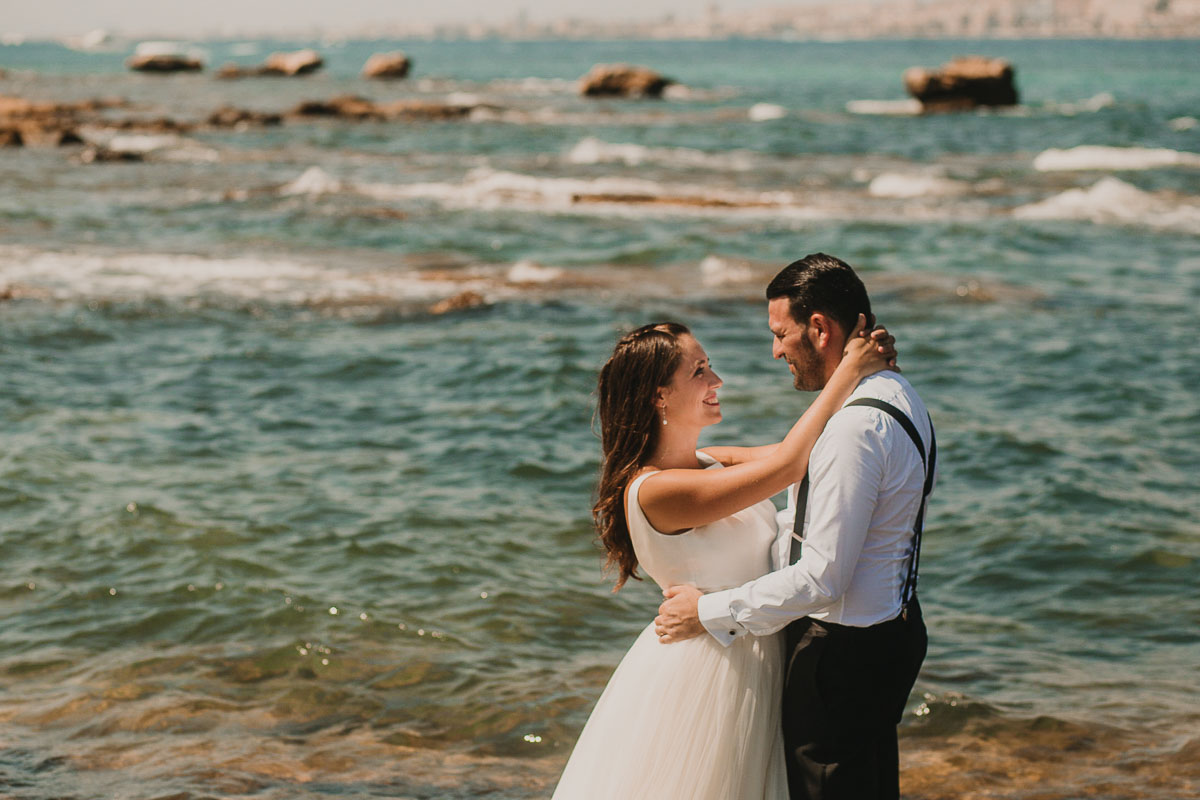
pixel 865 485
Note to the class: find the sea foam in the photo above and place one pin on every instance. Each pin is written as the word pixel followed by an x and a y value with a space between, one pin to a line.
pixel 486 188
pixel 891 108
pixel 899 185
pixel 591 150
pixel 765 112
pixel 313 181
pixel 1110 200
pixel 1095 157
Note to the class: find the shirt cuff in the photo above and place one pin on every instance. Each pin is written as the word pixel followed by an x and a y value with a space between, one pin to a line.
pixel 714 614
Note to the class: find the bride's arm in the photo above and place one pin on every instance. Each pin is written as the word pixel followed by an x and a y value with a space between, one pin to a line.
pixel 675 500
pixel 730 456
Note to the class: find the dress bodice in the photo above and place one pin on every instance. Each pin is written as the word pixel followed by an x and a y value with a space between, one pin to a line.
pixel 719 555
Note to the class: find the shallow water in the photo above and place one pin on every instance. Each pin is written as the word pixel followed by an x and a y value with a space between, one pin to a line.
pixel 273 528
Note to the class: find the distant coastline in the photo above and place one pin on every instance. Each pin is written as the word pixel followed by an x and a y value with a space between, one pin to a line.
pixel 830 20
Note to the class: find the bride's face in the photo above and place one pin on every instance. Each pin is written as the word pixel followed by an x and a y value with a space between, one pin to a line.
pixel 691 397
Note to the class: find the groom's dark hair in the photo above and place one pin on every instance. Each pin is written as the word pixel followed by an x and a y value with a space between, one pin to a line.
pixel 822 283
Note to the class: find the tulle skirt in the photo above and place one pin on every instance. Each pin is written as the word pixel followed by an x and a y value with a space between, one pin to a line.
pixel 692 720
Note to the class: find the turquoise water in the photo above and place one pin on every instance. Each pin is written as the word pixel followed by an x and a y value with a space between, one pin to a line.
pixel 272 527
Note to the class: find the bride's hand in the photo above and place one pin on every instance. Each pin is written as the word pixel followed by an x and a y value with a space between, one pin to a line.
pixel 868 352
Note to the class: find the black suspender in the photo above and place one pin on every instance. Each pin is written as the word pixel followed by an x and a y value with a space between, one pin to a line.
pixel 910 579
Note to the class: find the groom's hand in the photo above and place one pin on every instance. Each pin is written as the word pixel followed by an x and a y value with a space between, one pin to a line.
pixel 677 616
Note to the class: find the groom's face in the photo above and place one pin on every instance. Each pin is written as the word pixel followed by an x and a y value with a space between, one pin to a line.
pixel 793 345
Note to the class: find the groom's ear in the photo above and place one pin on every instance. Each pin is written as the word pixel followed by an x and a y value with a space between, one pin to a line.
pixel 822 330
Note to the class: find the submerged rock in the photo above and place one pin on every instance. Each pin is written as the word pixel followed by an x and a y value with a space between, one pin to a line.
pixel 230 117
pixel 345 106
pixel 94 153
pixel 459 302
pixel 393 65
pixel 963 84
pixel 622 80
pixel 353 107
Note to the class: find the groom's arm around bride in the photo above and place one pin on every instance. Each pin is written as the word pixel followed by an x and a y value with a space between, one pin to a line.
pixel 845 577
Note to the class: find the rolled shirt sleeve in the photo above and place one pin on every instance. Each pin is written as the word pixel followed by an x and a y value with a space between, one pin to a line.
pixel 845 474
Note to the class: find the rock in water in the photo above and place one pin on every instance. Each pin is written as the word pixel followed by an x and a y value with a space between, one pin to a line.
pixel 11 137
pixel 164 64
pixel 345 106
pixel 163 57
pixel 300 62
pixel 387 65
pixel 962 84
pixel 622 80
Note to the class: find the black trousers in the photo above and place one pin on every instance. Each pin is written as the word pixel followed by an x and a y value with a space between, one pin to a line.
pixel 843 697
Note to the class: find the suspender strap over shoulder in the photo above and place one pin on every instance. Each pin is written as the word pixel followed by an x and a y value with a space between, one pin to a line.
pixel 910 579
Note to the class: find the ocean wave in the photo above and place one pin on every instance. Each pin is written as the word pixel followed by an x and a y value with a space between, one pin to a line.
pixel 1096 157
pixel 591 150
pixel 165 146
pixel 765 112
pixel 118 277
pixel 1097 102
pixel 492 189
pixel 1110 200
pixel 901 185
pixel 892 108
pixel 313 181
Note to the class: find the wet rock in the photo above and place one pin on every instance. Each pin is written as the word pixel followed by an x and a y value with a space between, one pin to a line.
pixel 95 153
pixel 622 80
pixel 241 118
pixel 149 125
pixel 11 137
pixel 299 62
pixel 963 84
pixel 163 63
pixel 345 106
pixel 387 66
pixel 417 109
pixel 231 71
pixel 459 302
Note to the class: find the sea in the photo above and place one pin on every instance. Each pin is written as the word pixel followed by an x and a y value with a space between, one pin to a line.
pixel 299 438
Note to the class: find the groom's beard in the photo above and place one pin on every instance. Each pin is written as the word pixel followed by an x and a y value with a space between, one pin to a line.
pixel 808 373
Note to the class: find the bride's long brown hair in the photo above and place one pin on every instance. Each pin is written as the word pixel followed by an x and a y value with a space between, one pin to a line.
pixel 643 361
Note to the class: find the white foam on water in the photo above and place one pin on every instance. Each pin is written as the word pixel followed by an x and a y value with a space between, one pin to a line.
pixel 70 276
pixel 526 271
pixel 313 181
pixel 900 185
pixel 1093 104
pixel 491 189
pixel 765 112
pixel 463 99
pixel 594 151
pixel 591 150
pixel 1110 200
pixel 891 108
pixel 1096 157
pixel 717 271
pixel 165 146
pixel 1183 123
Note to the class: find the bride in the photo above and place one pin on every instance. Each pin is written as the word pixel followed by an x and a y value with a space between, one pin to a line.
pixel 693 720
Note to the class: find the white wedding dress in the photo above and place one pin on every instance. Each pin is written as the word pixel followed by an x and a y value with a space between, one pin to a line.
pixel 692 720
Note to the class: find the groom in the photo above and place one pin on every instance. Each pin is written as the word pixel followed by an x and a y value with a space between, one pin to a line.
pixel 845 561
